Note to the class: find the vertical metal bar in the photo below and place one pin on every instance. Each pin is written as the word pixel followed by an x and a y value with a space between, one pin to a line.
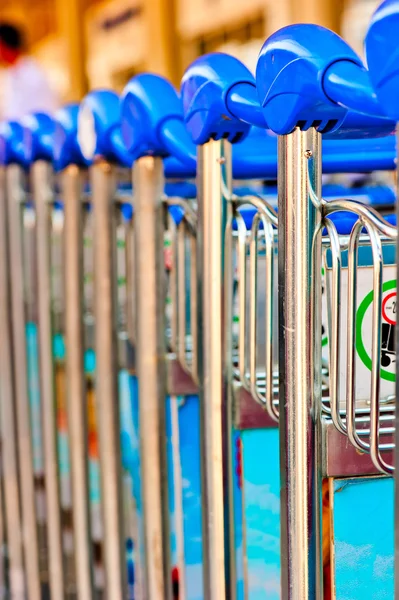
pixel 130 270
pixel 103 195
pixel 299 180
pixel 193 307
pixel 214 206
pixel 43 196
pixel 76 380
pixel 148 184
pixel 9 451
pixel 396 457
pixel 15 199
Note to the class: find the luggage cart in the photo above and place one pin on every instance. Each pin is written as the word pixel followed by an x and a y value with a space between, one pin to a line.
pixel 299 147
pixel 145 376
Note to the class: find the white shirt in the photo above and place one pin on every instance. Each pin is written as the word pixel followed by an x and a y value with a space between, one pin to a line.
pixel 25 90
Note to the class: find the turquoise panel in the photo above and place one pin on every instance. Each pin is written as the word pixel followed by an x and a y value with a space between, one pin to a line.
pixel 262 512
pixel 171 488
pixel 32 357
pixel 190 461
pixel 363 518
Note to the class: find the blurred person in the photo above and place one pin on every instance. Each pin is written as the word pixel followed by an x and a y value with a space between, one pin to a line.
pixel 25 85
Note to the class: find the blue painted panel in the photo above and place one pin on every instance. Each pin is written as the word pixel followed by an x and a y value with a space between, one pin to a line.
pixel 363 518
pixel 190 460
pixel 32 357
pixel 238 513
pixel 191 483
pixel 171 488
pixel 262 512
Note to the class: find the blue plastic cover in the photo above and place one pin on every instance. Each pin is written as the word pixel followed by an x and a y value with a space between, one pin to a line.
pixel 289 77
pixel 205 90
pixel 382 52
pixel 39 143
pixel 13 142
pixel 66 148
pixel 99 128
pixel 149 106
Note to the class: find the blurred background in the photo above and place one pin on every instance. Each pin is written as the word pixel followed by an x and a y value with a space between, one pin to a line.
pixel 84 44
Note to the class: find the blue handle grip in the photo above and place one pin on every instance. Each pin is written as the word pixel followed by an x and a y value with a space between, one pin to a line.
pixel 382 51
pixel 349 86
pixel 66 147
pixel 242 101
pixel 39 143
pixel 99 128
pixel 12 144
pixel 152 119
pixel 307 76
pixel 205 90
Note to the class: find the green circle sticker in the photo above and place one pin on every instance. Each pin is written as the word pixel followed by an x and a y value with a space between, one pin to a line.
pixel 388 322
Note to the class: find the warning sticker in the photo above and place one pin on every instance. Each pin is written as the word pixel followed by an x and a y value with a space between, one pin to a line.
pixel 364 334
pixel 388 320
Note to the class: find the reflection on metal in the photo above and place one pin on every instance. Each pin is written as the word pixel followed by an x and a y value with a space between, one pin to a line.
pixel 16 197
pixel 71 181
pixel 299 177
pixel 214 214
pixel 12 527
pixel 41 178
pixel 149 217
pixel 103 193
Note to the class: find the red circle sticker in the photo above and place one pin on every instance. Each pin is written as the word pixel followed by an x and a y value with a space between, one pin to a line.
pixel 389 308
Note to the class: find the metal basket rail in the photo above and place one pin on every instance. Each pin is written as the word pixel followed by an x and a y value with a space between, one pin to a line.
pixel 252 297
pixel 254 301
pixel 181 270
pixel 367 421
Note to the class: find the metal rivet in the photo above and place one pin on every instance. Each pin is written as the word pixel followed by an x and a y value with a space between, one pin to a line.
pixel 308 153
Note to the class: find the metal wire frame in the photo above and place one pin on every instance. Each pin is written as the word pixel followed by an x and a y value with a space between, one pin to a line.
pixel 184 332
pixel 262 234
pixel 352 421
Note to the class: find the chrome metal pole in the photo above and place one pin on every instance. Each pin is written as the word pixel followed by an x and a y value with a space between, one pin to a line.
pixel 9 462
pixel 106 383
pixel 299 259
pixel 148 184
pixel 15 181
pixel 397 396
pixel 43 197
pixel 214 204
pixel 71 180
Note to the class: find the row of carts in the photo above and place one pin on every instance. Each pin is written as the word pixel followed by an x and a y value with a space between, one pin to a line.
pixel 197 365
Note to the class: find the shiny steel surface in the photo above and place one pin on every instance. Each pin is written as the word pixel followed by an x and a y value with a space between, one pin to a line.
pixel 71 182
pixel 43 197
pixel 148 184
pixel 16 197
pixel 106 384
pixel 256 303
pixel 12 525
pixel 299 180
pixel 396 436
pixel 214 214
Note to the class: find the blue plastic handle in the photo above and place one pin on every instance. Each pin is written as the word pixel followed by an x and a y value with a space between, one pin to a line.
pixel 66 147
pixel 12 144
pixel 382 52
pixel 39 143
pixel 242 101
pixel 207 91
pixel 152 119
pixel 99 128
pixel 307 76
